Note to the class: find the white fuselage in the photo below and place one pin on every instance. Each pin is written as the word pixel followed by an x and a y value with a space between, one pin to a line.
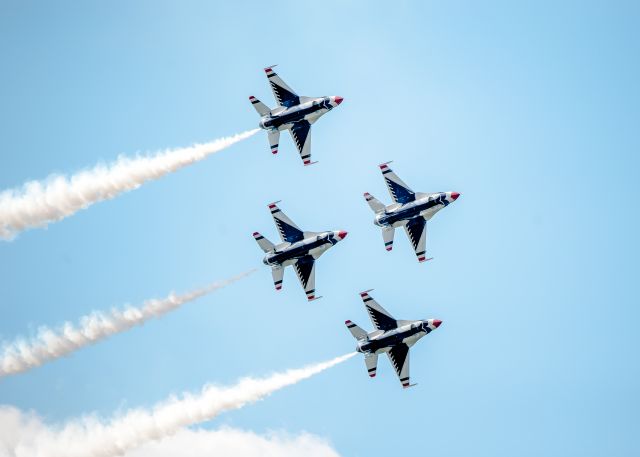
pixel 425 205
pixel 313 244
pixel 283 118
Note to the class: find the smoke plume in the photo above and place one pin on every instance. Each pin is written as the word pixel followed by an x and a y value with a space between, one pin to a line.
pixel 22 355
pixel 92 437
pixel 38 203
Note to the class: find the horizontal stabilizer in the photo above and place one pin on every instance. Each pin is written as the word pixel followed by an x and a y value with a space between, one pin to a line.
pixel 278 274
pixel 264 243
pixel 374 203
pixel 371 360
pixel 274 139
pixel 260 107
pixel 356 331
pixel 387 237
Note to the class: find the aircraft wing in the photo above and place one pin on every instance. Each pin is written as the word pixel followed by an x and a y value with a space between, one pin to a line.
pixel 399 357
pixel 306 271
pixel 380 317
pixel 284 95
pixel 301 133
pixel 289 231
pixel 417 232
pixel 400 192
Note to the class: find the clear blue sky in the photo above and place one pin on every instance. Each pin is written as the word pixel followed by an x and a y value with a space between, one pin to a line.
pixel 529 109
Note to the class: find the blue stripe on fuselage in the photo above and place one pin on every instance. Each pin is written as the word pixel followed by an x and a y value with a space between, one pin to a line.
pixel 390 339
pixel 407 212
pixel 295 114
pixel 297 251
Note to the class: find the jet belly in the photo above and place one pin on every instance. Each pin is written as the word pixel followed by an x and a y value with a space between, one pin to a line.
pixel 291 252
pixel 392 338
pixel 288 117
pixel 420 208
pixel 412 339
pixel 318 251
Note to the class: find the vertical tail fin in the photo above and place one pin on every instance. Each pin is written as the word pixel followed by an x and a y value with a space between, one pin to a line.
pixel 264 243
pixel 374 203
pixel 260 107
pixel 356 331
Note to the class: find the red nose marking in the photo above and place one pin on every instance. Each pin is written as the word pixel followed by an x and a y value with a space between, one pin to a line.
pixel 342 234
pixel 437 323
pixel 455 195
pixel 338 100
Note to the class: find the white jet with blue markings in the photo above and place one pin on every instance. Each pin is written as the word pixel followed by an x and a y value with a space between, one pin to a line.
pixel 299 248
pixel 391 336
pixel 411 210
pixel 294 113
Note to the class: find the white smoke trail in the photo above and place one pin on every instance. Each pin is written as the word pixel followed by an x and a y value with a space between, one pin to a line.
pixel 91 437
pixel 38 203
pixel 21 355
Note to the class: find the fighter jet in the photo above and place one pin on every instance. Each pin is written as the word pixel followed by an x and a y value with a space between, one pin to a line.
pixel 294 113
pixel 392 336
pixel 411 210
pixel 298 248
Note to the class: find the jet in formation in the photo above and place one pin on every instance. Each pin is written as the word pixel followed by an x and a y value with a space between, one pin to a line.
pixel 392 336
pixel 298 248
pixel 411 210
pixel 294 113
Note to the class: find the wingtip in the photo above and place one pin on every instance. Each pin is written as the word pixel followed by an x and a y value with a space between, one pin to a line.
pixel 385 165
pixel 364 293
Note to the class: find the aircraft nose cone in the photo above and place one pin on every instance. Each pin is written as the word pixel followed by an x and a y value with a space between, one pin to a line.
pixel 437 323
pixel 455 195
pixel 338 99
pixel 342 234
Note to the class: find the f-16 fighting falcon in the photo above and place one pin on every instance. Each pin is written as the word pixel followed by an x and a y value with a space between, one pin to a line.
pixel 411 210
pixel 298 248
pixel 392 336
pixel 294 113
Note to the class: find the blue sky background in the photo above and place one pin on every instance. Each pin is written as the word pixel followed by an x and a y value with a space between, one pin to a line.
pixel 529 109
